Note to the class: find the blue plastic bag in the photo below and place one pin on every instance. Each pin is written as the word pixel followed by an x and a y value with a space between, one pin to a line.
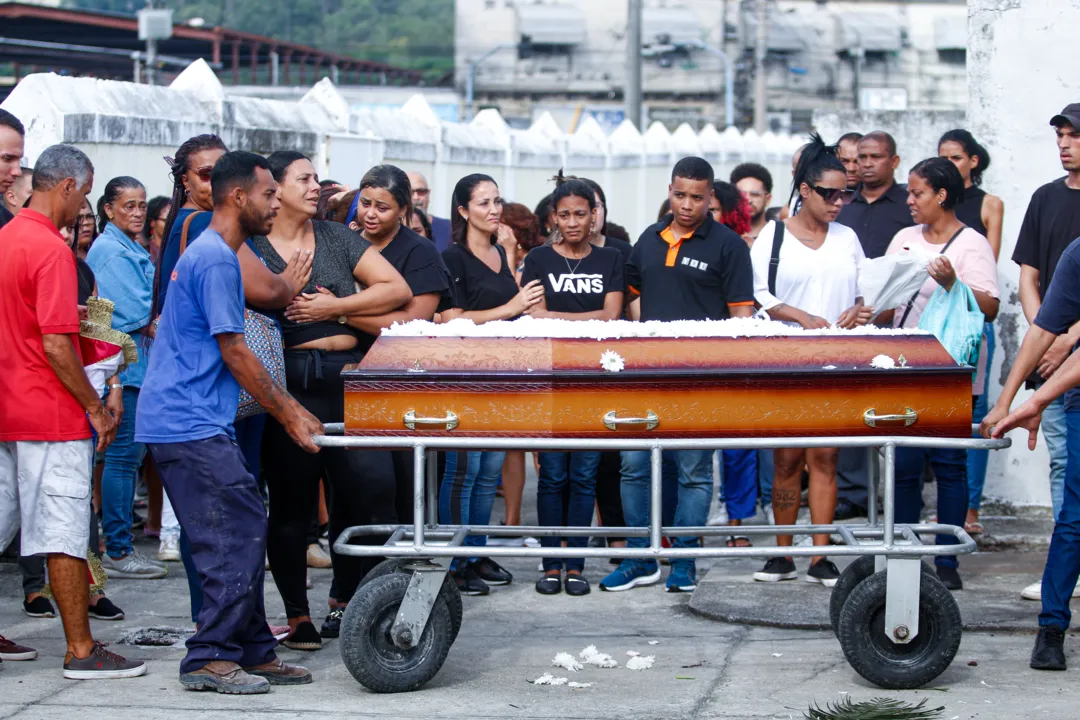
pixel 957 322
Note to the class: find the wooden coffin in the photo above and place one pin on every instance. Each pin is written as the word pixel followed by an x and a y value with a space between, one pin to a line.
pixel 679 387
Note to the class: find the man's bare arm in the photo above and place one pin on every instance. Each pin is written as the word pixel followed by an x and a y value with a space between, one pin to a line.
pixel 60 351
pixel 253 377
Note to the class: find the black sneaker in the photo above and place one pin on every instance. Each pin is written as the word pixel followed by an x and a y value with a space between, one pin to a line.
pixel 777 569
pixel 491 572
pixel 1049 652
pixel 331 626
pixel 823 572
pixel 468 582
pixel 104 609
pixel 950 577
pixel 847 510
pixel 304 637
pixel 39 607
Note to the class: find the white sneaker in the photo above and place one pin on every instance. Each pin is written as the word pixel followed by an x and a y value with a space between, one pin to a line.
pixel 169 549
pixel 1034 591
pixel 720 517
pixel 132 567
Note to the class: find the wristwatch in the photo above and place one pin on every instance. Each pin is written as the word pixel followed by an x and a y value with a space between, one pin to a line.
pixel 342 320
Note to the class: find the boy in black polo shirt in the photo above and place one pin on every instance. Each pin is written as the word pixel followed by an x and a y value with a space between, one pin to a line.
pixel 686 267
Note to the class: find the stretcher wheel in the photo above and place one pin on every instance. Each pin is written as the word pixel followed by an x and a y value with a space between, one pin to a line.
pixel 890 665
pixel 448 592
pixel 853 574
pixel 369 652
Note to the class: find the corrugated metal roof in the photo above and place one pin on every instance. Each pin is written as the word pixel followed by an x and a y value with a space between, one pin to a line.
pixel 551 24
pixel 674 26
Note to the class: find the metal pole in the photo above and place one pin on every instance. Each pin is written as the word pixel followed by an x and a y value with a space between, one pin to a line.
pixel 151 61
pixel 759 69
pixel 418 495
pixel 889 491
pixel 871 486
pixel 633 63
pixel 857 79
pixel 137 74
pixel 470 78
pixel 729 82
pixel 656 498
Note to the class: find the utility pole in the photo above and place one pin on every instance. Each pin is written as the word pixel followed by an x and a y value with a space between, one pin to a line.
pixel 633 63
pixel 858 55
pixel 151 53
pixel 759 67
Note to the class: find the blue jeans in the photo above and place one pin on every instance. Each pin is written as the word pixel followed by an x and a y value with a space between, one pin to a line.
pixel 766 468
pixel 557 469
pixel 950 471
pixel 1054 432
pixel 249 440
pixel 218 503
pixel 468 490
pixel 122 460
pixel 739 490
pixel 1063 561
pixel 977 460
pixel 694 492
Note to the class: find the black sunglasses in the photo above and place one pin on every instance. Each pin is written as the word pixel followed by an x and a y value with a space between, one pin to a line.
pixel 830 195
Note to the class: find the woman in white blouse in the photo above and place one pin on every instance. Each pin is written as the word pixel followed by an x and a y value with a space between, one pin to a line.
pixel 806 272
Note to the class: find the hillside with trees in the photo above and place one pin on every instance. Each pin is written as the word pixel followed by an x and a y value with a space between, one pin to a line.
pixel 416 34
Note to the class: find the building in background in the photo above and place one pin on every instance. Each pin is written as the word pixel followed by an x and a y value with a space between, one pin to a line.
pixel 568 57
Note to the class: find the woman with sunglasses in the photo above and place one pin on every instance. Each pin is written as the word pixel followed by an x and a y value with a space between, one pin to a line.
pixel 816 285
pixel 85 231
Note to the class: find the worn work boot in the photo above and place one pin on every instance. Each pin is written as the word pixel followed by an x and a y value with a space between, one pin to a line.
pixel 224 677
pixel 278 673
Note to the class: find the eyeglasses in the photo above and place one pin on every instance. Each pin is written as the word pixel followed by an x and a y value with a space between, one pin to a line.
pixel 830 195
pixel 422 192
pixel 204 172
pixel 755 193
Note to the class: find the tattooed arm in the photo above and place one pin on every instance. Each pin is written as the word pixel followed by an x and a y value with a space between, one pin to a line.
pixel 252 376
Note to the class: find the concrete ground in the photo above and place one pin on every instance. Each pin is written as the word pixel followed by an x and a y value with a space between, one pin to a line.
pixel 703 668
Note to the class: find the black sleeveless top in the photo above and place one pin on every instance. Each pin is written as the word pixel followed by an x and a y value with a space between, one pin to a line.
pixel 969 212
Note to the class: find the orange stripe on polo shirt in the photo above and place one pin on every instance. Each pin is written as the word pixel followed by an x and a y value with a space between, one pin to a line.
pixel 673 245
pixel 741 304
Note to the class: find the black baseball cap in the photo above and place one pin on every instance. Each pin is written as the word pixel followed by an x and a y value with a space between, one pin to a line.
pixel 1069 116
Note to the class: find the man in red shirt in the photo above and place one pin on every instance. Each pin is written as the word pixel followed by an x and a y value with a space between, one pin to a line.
pixel 46 400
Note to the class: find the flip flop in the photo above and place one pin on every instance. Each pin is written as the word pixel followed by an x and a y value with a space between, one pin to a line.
pixel 739 541
pixel 974 528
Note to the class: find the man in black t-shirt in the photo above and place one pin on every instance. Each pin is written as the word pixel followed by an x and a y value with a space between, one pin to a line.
pixel 686 267
pixel 878 209
pixel 12 134
pixel 1051 223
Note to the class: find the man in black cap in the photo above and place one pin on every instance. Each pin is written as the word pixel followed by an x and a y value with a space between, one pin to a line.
pixel 1052 222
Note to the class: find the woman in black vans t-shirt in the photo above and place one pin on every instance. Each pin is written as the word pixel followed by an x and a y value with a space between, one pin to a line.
pixel 581 282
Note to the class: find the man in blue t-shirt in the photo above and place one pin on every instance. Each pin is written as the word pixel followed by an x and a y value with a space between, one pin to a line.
pixel 186 410
pixel 1060 310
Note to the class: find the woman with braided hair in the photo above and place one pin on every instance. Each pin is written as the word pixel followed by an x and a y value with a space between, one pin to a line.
pixel 189 216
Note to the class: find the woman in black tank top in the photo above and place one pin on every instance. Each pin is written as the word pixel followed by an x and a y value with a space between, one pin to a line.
pixel 979 210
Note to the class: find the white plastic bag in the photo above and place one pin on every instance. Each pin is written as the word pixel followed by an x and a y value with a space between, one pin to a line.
pixel 888 282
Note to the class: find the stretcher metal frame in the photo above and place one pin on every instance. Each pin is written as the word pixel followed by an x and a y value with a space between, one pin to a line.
pixel 432 546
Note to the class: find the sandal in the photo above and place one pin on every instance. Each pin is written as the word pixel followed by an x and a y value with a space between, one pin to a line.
pixel 549 585
pixel 973 528
pixel 739 541
pixel 577 585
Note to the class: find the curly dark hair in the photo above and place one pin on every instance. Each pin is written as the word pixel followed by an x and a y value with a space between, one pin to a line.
pixel 524 223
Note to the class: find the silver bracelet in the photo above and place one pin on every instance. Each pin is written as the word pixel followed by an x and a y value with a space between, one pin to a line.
pixel 116 386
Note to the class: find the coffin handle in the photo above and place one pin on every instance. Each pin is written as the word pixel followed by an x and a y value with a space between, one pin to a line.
pixel 871 418
pixel 412 421
pixel 612 421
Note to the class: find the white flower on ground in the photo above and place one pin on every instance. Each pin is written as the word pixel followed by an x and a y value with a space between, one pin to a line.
pixel 640 662
pixel 592 656
pixel 567 662
pixel 612 361
pixel 883 362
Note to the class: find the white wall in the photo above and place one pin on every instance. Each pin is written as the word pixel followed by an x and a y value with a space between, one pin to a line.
pixel 1021 72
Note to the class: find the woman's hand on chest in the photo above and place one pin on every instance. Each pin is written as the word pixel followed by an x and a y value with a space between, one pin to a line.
pixel 319 306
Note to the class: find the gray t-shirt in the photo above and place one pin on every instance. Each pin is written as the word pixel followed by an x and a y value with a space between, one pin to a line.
pixel 337 251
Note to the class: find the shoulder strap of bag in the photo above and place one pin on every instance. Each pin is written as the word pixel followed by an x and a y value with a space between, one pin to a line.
pixel 184 231
pixel 774 260
pixel 911 302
